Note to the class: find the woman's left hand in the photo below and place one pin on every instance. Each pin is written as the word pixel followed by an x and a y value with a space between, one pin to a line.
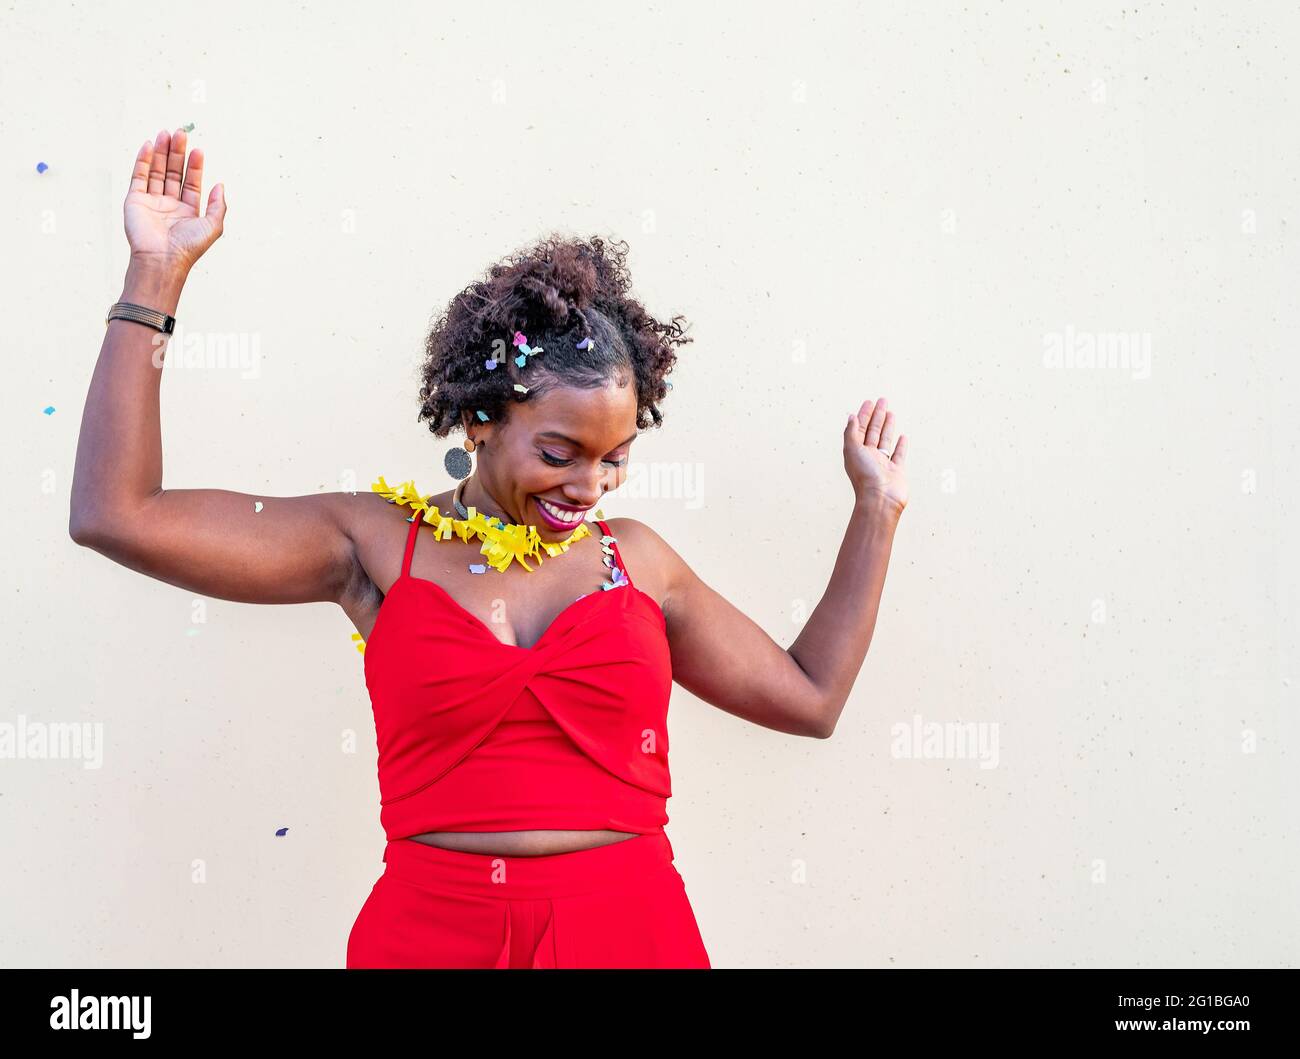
pixel 872 459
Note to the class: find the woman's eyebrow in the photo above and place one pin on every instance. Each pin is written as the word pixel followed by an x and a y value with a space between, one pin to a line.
pixel 576 443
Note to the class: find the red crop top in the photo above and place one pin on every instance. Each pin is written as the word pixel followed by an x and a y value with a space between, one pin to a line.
pixel 478 735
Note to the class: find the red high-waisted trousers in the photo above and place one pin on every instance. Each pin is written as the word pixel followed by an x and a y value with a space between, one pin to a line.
pixel 618 905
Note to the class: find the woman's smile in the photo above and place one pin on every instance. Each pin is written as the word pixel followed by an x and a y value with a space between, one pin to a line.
pixel 559 518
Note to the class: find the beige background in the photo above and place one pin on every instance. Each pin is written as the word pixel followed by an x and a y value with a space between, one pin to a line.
pixel 897 200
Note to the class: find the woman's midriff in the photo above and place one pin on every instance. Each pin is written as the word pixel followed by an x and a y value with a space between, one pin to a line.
pixel 520 843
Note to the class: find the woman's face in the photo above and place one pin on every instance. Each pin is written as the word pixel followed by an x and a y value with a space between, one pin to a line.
pixel 566 447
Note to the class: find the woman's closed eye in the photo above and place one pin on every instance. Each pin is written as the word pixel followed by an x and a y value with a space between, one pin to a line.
pixel 556 461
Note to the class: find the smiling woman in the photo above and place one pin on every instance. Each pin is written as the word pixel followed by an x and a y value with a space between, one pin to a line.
pixel 524 660
pixel 548 738
pixel 552 427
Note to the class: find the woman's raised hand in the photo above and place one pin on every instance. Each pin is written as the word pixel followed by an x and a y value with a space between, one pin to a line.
pixel 163 225
pixel 872 459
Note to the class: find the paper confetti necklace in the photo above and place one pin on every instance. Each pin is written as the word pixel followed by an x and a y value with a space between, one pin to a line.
pixel 503 543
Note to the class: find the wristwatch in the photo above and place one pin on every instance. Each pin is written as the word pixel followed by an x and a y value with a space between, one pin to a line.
pixel 154 318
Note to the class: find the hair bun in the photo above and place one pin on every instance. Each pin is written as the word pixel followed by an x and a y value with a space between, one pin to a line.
pixel 557 288
pixel 554 286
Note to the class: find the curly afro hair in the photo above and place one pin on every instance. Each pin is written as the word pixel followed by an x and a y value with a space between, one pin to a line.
pixel 557 292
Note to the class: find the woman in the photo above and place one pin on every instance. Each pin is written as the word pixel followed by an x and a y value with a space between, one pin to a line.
pixel 519 661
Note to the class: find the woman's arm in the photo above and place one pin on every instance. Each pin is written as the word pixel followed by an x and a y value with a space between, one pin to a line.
pixel 212 541
pixel 834 640
pixel 723 657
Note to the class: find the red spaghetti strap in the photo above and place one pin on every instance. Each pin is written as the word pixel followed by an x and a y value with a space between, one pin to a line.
pixel 410 543
pixel 618 556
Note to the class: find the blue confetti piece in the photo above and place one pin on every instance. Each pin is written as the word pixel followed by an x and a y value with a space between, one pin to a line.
pixel 41 167
pixel 585 343
pixel 48 409
pixel 477 568
pixel 491 365
pixel 482 415
pixel 281 832
pixel 520 360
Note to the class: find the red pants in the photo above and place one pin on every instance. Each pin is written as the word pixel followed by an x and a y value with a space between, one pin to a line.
pixel 618 905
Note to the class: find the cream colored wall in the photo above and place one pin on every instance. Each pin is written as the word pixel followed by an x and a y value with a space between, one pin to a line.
pixel 918 203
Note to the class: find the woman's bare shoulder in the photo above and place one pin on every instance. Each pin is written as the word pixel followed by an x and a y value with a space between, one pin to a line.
pixel 371 512
pixel 377 525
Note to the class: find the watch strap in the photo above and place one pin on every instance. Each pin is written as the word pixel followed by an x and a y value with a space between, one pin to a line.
pixel 141 314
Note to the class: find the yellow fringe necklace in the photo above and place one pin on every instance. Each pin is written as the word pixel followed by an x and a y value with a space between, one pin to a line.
pixel 502 543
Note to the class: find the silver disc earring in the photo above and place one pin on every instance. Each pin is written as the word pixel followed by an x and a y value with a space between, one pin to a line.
pixel 458 463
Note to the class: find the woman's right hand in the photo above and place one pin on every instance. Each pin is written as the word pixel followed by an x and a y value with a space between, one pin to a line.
pixel 163 225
